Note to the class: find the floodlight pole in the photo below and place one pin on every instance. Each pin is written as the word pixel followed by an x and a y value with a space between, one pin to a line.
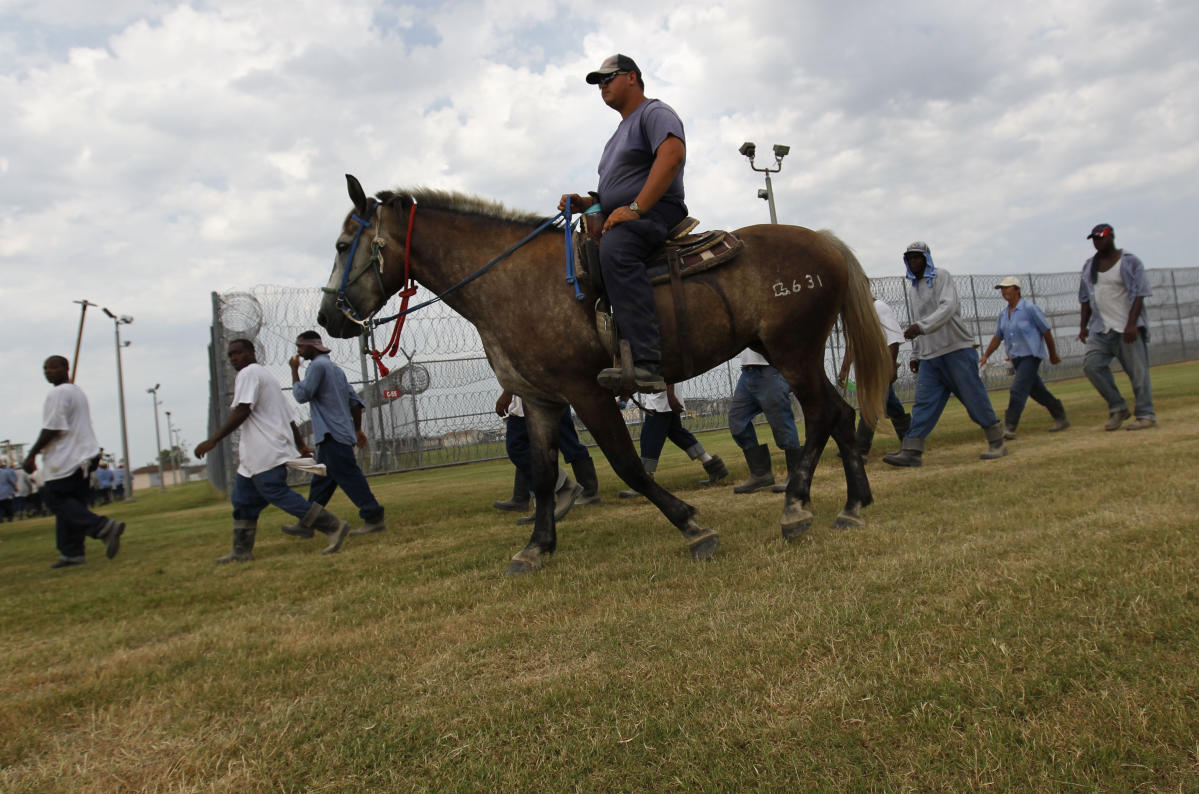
pixel 117 322
pixel 79 337
pixel 749 150
pixel 171 449
pixel 162 483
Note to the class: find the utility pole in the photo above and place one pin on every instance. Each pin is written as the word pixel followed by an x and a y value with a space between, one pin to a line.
pixel 79 337
pixel 162 483
pixel 117 322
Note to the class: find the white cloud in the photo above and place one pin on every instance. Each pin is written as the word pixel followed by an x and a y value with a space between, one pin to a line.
pixel 155 152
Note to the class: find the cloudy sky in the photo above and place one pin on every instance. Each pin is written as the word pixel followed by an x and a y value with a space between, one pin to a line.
pixel 154 152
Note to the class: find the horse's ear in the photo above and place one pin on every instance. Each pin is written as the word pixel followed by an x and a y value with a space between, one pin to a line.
pixel 357 194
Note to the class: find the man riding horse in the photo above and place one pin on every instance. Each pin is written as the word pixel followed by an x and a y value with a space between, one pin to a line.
pixel 641 189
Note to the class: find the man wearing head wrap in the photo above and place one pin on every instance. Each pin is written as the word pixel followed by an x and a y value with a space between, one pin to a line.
pixel 943 358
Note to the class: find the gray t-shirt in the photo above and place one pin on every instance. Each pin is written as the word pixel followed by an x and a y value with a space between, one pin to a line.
pixel 629 154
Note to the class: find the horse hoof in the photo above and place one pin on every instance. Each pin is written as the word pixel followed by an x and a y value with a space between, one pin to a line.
pixel 794 530
pixel 848 521
pixel 526 561
pixel 704 547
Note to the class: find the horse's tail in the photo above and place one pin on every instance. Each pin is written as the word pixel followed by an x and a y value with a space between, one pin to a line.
pixel 864 337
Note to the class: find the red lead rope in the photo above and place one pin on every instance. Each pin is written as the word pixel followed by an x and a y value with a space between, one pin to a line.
pixel 393 345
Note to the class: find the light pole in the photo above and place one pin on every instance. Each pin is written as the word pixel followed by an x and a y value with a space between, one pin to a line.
pixel 749 149
pixel 171 449
pixel 157 437
pixel 117 322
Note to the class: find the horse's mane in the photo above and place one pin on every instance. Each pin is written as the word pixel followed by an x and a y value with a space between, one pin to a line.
pixel 457 202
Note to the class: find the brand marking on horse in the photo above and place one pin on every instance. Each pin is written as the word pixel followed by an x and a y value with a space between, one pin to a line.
pixel 813 281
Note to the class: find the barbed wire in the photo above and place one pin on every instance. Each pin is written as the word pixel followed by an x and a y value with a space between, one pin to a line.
pixel 454 421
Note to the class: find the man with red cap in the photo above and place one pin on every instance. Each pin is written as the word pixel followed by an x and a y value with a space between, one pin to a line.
pixel 1112 294
pixel 641 191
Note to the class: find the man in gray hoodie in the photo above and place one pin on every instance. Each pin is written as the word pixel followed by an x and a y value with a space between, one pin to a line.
pixel 943 358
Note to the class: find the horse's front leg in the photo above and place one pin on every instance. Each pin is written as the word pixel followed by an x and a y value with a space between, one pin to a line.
pixel 542 420
pixel 599 412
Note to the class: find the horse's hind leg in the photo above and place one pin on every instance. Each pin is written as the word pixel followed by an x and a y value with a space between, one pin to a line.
pixel 599 412
pixel 857 485
pixel 825 414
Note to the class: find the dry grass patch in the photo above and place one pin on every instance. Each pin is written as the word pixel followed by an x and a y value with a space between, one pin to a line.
pixel 1022 624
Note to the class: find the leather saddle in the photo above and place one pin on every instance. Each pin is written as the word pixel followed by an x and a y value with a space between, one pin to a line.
pixel 696 252
pixel 683 254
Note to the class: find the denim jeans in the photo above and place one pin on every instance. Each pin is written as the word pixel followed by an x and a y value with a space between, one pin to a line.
pixel 251 495
pixel 67 500
pixel 762 390
pixel 1134 357
pixel 658 427
pixel 342 469
pixel 516 442
pixel 954 373
pixel 1028 383
pixel 623 250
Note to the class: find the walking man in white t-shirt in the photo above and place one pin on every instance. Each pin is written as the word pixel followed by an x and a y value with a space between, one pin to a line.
pixel 269 438
pixel 69 452
pixel 1112 295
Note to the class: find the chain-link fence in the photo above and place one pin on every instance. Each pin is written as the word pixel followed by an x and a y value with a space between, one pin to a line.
pixel 437 406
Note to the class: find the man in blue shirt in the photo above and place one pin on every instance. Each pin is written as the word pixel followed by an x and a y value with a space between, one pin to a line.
pixel 8 491
pixel 641 190
pixel 336 426
pixel 1028 339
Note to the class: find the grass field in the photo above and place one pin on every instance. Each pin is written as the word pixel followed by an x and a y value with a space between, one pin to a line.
pixel 1028 624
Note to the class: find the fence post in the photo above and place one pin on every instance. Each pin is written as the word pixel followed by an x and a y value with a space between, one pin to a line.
pixel 375 439
pixel 1182 339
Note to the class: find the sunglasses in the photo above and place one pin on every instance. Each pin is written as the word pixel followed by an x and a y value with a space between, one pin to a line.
pixel 605 80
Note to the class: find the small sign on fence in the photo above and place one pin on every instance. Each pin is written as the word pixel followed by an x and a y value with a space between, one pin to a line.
pixel 392 394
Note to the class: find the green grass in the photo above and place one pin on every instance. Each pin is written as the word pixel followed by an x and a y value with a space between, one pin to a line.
pixel 1030 624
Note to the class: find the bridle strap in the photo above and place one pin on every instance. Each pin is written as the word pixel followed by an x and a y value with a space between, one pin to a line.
pixel 410 286
pixel 393 345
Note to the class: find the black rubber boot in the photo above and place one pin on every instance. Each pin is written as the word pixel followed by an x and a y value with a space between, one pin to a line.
pixel 911 453
pixel 370 527
pixel 760 474
pixel 793 457
pixel 647 378
pixel 995 446
pixel 318 518
pixel 566 495
pixel 520 495
pixel 716 470
pixel 902 425
pixel 243 542
pixel 584 469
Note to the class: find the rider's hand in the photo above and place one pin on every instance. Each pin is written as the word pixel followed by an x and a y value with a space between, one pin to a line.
pixel 620 215
pixel 577 203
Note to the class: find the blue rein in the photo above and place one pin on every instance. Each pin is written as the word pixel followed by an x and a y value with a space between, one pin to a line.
pixel 571 276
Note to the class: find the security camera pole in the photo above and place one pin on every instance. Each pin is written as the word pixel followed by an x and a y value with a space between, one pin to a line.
pixel 79 337
pixel 749 149
pixel 162 483
pixel 117 322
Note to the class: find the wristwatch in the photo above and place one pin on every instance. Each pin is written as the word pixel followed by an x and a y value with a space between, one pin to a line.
pixel 636 209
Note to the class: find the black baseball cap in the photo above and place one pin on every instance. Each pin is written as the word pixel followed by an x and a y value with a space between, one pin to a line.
pixel 1101 230
pixel 611 65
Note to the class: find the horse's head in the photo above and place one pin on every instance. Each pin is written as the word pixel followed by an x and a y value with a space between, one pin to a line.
pixel 356 287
